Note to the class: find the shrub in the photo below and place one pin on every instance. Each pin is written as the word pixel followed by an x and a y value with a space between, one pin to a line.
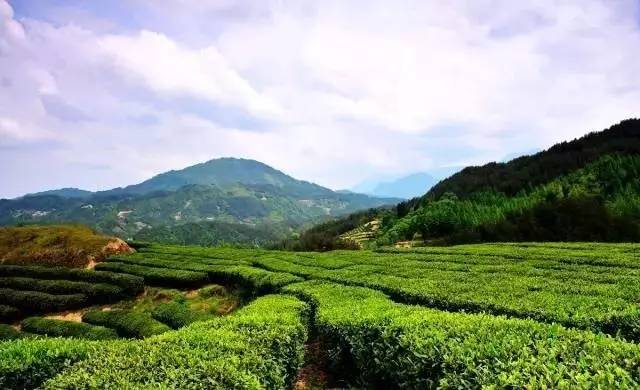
pixel 8 313
pixel 259 347
pixel 26 363
pixel 60 328
pixel 158 276
pixel 126 323
pixel 259 280
pixel 211 291
pixel 388 345
pixel 176 314
pixel 131 284
pixel 8 332
pixel 96 292
pixel 38 302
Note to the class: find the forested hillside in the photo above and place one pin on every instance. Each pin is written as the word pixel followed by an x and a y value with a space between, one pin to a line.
pixel 221 201
pixel 587 189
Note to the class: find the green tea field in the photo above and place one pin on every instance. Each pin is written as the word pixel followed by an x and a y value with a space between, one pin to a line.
pixel 524 315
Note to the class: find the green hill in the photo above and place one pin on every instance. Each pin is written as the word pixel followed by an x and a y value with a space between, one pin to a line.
pixel 587 189
pixel 224 172
pixel 232 200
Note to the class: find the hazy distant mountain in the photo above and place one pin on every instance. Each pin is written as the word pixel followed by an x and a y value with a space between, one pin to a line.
pixel 406 187
pixel 226 191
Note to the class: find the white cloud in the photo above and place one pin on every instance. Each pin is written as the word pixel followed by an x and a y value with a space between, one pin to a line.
pixel 333 91
pixel 168 68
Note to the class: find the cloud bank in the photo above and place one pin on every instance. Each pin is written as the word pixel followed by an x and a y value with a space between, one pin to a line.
pixel 104 94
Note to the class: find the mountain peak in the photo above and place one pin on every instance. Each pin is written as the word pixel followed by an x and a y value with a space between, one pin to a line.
pixel 223 172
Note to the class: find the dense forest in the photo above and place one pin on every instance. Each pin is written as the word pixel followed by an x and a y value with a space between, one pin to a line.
pixel 587 189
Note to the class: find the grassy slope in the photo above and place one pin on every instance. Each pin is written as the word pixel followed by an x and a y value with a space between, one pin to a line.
pixel 62 245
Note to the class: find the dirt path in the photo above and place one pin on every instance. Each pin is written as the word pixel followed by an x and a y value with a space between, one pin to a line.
pixel 73 316
pixel 313 375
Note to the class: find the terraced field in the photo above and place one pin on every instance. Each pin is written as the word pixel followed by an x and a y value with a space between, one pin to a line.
pixel 494 315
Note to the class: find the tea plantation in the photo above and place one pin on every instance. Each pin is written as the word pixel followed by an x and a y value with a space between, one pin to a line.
pixel 521 315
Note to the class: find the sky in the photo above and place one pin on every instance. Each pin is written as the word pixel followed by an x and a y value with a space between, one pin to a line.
pixel 100 94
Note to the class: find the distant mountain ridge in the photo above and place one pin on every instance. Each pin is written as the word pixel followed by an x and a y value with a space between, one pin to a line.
pixel 65 193
pixel 226 191
pixel 405 187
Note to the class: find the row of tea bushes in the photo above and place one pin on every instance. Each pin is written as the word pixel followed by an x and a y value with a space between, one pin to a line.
pixel 39 302
pixel 8 313
pixel 130 284
pixel 95 292
pixel 260 346
pixel 155 276
pixel 127 323
pixel 389 345
pixel 60 328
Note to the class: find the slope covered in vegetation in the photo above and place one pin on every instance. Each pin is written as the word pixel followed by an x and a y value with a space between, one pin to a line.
pixel 584 190
pixel 221 201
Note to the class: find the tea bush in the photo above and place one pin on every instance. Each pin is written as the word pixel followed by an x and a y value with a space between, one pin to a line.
pixel 61 328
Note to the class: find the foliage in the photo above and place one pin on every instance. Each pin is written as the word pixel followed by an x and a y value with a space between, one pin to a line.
pixel 130 284
pixel 26 363
pixel 260 346
pixel 126 323
pixel 8 313
pixel 95 292
pixel 550 283
pixel 326 236
pixel 8 332
pixel 531 171
pixel 158 276
pixel 177 314
pixel 38 302
pixel 212 233
pixel 596 203
pixel 60 328
pixel 573 321
pixel 387 345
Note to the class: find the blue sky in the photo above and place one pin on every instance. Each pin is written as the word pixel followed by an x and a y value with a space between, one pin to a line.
pixel 99 94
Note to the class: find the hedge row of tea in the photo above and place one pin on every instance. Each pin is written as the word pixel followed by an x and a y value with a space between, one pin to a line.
pixel 260 346
pixel 558 298
pixel 391 345
pixel 26 290
pixel 588 286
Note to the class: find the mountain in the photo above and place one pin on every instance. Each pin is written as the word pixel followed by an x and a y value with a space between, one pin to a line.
pixel 587 189
pixel 405 187
pixel 529 171
pixel 65 193
pixel 217 194
pixel 223 172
